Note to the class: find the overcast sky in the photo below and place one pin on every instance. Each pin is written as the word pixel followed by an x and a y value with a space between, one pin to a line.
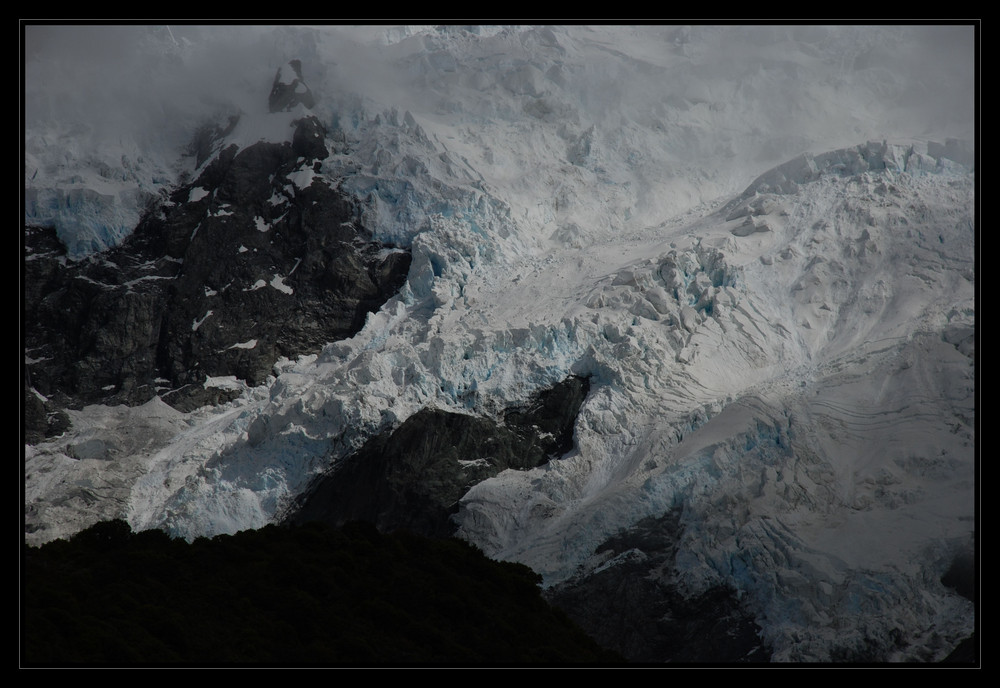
pixel 114 79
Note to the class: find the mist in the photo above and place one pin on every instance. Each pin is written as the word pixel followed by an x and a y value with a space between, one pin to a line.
pixel 126 78
pixel 150 82
pixel 669 103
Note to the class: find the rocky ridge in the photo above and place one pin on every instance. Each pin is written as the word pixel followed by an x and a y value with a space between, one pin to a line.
pixel 256 259
pixel 414 477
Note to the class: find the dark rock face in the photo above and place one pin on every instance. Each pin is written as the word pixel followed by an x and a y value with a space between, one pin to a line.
pixel 209 138
pixel 41 417
pixel 646 618
pixel 309 140
pixel 961 575
pixel 967 652
pixel 414 477
pixel 248 263
pixel 289 89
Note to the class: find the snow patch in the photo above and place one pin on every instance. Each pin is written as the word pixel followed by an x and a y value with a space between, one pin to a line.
pixel 302 178
pixel 197 193
pixel 197 323
pixel 224 381
pixel 278 283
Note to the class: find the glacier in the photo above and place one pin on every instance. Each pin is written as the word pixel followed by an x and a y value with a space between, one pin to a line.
pixel 758 243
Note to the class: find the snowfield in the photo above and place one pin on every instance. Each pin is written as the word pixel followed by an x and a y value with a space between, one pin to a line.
pixel 757 242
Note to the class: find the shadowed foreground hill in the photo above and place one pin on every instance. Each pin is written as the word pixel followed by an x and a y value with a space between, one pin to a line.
pixel 307 595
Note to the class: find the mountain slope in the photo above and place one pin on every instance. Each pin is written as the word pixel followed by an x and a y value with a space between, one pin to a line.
pixel 167 310
pixel 781 364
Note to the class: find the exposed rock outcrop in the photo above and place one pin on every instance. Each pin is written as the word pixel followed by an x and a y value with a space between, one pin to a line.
pixel 256 259
pixel 414 477
pixel 289 89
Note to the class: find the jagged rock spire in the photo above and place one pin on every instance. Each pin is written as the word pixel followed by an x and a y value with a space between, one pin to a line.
pixel 289 89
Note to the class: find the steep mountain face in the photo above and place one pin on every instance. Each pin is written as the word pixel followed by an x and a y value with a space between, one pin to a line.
pixel 252 261
pixel 698 347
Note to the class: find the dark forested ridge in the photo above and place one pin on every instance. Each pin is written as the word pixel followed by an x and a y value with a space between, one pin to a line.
pixel 307 595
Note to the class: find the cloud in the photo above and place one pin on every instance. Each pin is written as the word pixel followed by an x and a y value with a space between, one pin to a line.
pixel 140 81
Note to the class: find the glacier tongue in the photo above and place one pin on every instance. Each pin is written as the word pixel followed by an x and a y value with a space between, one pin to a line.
pixel 784 359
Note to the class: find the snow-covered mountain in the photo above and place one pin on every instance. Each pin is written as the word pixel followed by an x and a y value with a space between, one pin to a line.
pixel 755 243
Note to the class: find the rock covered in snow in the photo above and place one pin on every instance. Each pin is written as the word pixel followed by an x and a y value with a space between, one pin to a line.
pixel 253 260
